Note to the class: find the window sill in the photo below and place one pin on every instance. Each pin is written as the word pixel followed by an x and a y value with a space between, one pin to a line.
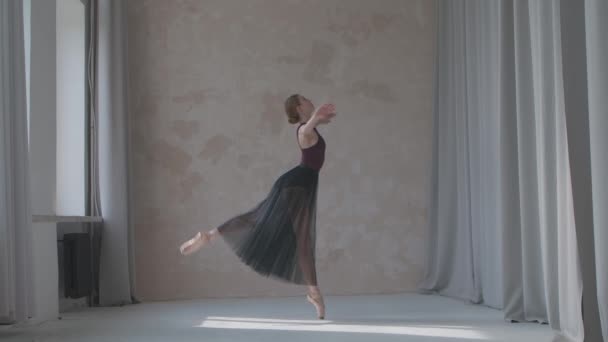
pixel 59 218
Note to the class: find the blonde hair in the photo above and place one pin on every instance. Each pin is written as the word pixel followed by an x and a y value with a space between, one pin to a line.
pixel 291 108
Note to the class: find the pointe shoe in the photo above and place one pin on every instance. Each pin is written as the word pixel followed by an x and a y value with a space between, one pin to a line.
pixel 317 301
pixel 194 244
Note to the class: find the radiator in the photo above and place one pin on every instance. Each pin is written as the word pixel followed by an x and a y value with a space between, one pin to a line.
pixel 77 265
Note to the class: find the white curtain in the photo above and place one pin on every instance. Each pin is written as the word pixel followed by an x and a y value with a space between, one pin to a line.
pixel 110 129
pixel 16 278
pixel 502 219
pixel 466 162
pixel 543 281
pixel 596 29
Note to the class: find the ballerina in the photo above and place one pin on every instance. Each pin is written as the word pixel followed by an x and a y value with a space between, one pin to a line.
pixel 277 237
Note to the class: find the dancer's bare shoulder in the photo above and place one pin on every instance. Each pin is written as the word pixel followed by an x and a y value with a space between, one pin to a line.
pixel 307 138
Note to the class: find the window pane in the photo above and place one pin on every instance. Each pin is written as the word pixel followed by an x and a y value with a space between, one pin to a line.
pixel 70 107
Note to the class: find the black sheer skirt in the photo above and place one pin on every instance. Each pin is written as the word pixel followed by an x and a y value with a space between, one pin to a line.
pixel 277 237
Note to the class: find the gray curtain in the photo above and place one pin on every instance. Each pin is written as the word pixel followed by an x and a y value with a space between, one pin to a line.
pixel 16 277
pixel 509 197
pixel 596 29
pixel 109 196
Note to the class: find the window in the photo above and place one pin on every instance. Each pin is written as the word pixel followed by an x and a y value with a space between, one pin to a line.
pixel 57 104
pixel 71 107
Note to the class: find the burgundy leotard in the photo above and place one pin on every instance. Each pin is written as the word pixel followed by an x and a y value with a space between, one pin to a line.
pixel 313 156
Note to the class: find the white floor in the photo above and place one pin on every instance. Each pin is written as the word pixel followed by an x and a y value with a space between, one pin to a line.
pixel 402 317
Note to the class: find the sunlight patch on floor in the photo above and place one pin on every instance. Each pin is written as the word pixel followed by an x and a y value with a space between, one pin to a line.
pixel 329 326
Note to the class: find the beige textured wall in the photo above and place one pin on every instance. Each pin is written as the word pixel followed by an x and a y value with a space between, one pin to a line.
pixel 209 136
